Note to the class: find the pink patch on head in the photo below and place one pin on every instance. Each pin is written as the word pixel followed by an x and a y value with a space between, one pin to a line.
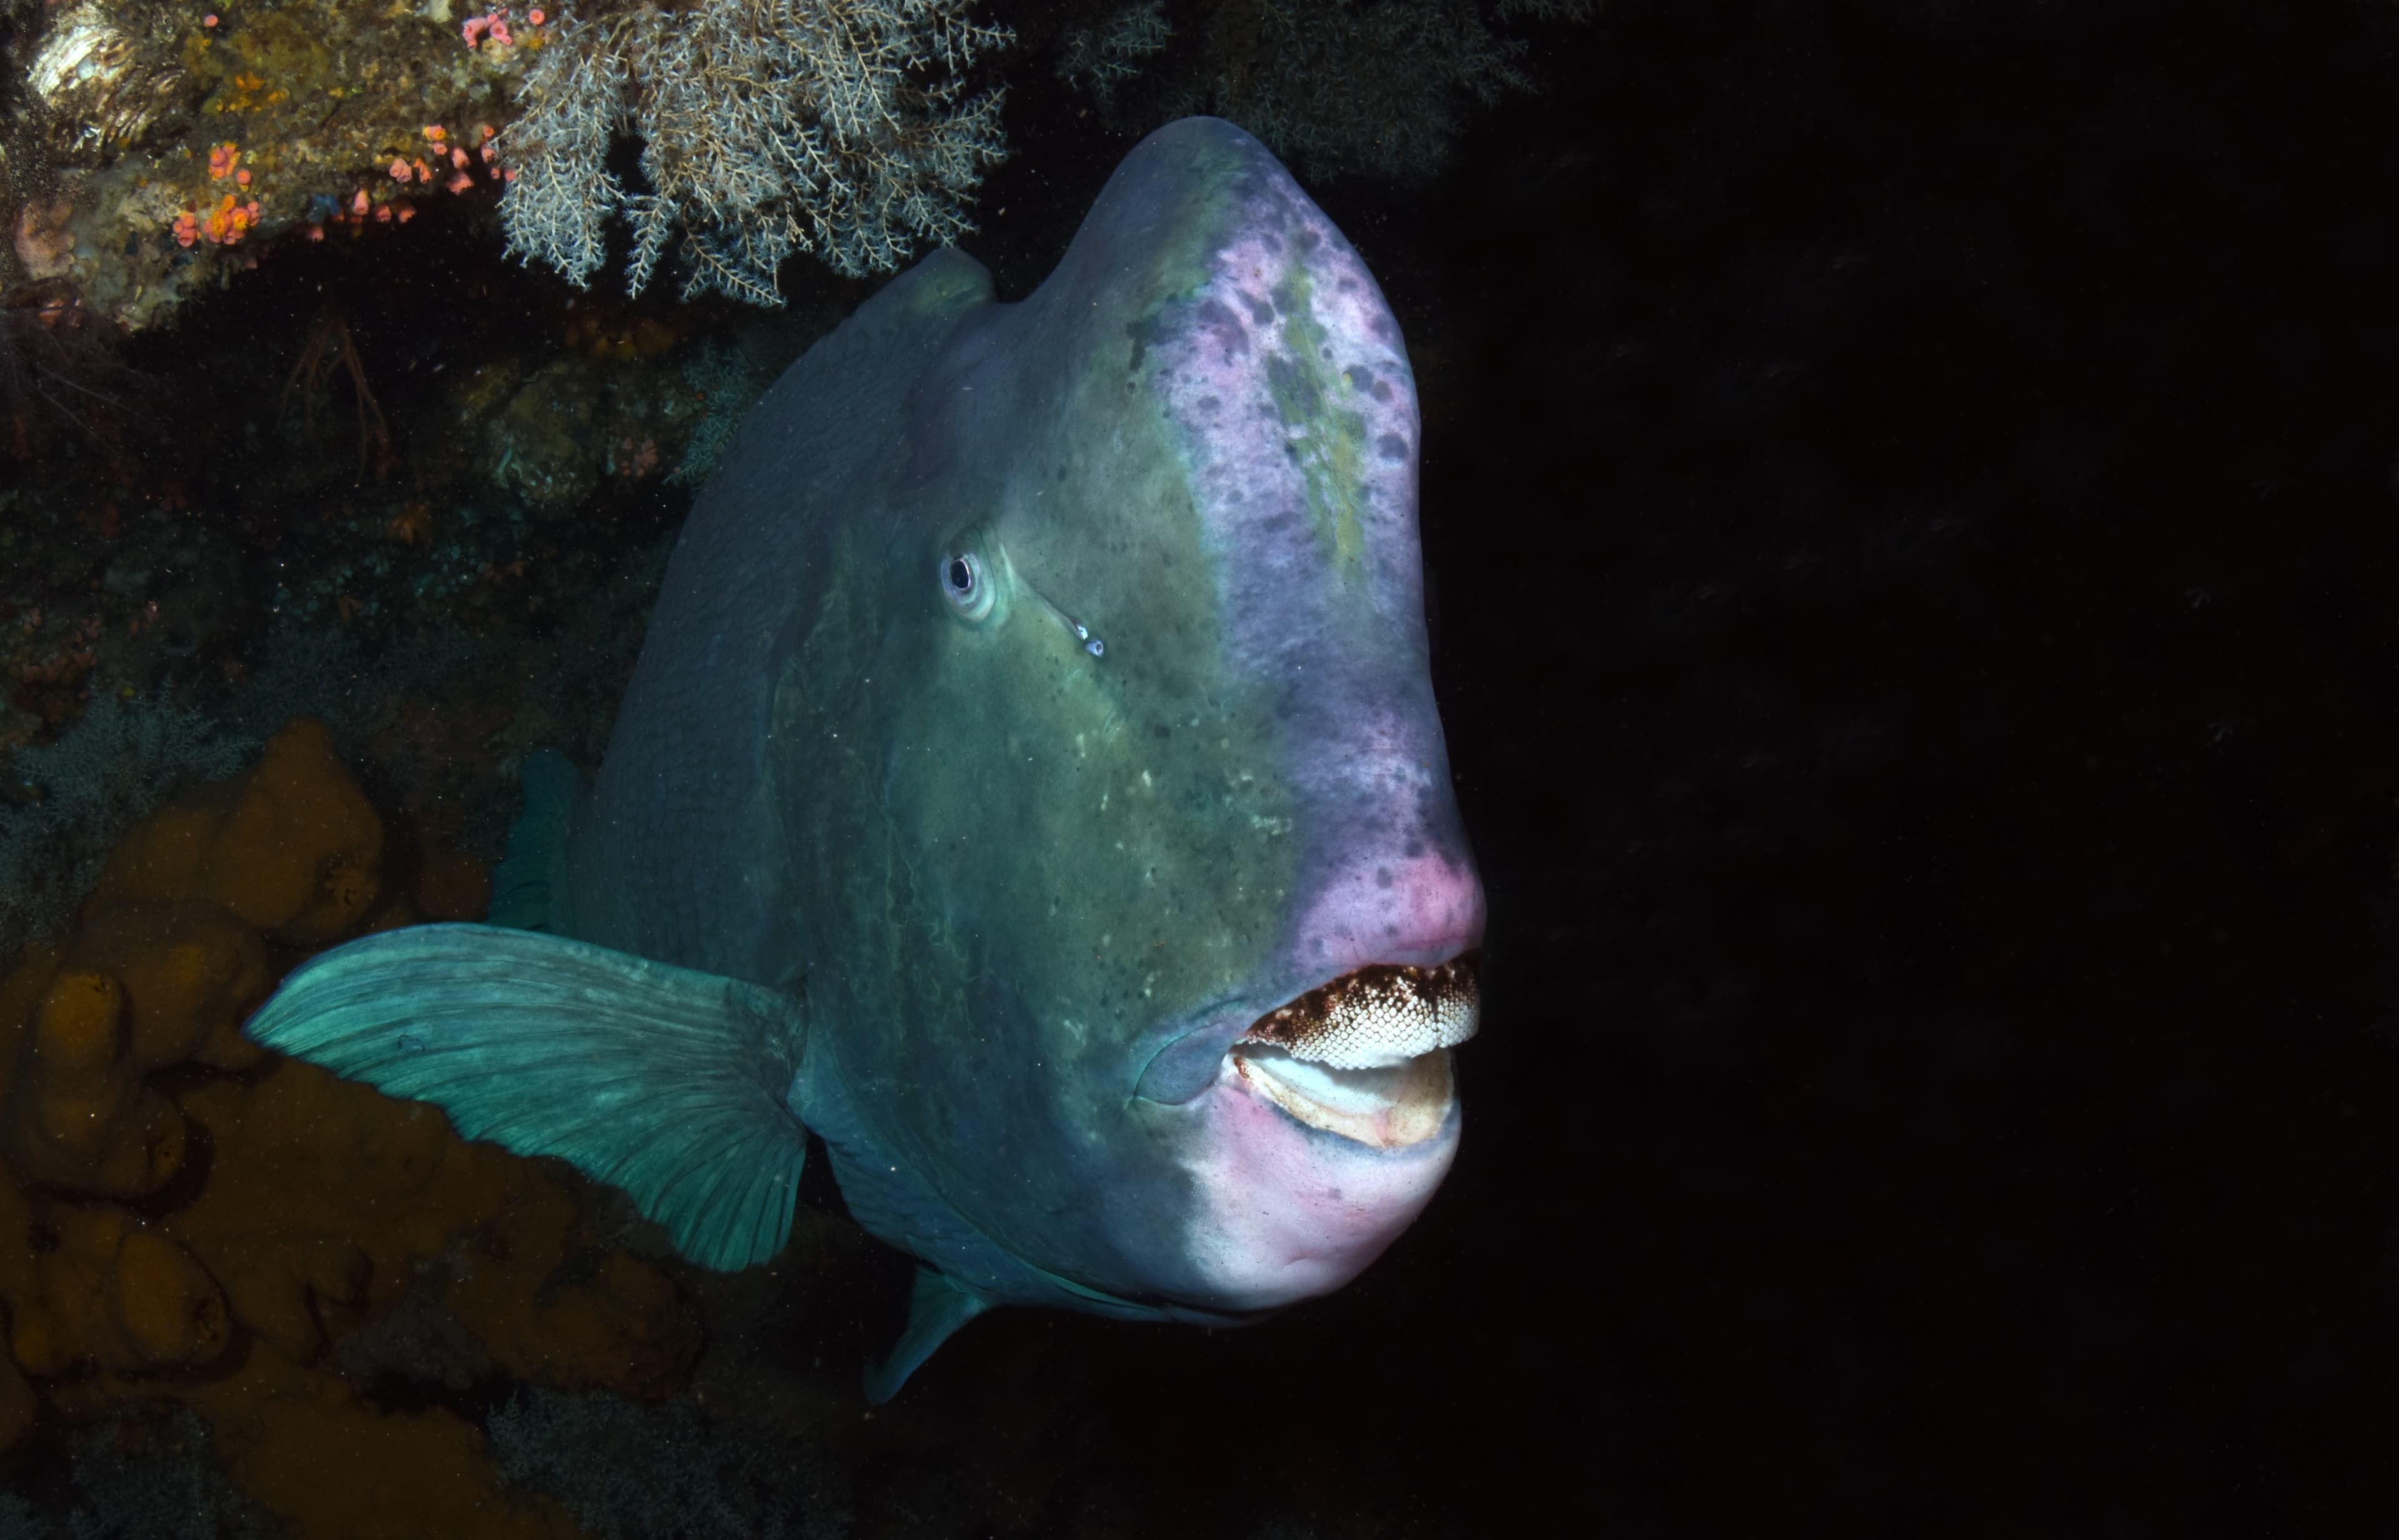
pixel 1400 909
pixel 1226 362
pixel 399 171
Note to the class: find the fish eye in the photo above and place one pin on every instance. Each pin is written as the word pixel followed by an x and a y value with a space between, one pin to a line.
pixel 966 585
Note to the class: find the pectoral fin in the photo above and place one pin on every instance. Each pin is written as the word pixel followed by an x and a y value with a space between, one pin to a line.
pixel 937 1307
pixel 664 1081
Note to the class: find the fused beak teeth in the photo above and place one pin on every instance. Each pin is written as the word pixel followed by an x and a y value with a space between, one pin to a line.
pixel 1378 1016
pixel 1387 1108
pixel 1366 1056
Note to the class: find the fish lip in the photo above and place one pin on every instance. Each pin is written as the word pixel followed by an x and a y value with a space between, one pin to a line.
pixel 1189 1063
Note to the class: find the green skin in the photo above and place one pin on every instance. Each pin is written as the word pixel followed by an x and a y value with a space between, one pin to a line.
pixel 1029 893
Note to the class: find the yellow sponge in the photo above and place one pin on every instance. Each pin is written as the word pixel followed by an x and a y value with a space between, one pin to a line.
pixel 323 1204
pixel 292 847
pixel 190 971
pixel 77 1114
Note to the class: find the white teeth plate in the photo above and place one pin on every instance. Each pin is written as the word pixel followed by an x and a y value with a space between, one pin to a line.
pixel 1386 1108
pixel 1377 1017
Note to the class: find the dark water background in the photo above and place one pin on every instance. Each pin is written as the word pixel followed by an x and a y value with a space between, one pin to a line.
pixel 1909 495
pixel 1916 540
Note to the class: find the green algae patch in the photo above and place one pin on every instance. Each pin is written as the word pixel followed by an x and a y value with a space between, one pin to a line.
pixel 1329 439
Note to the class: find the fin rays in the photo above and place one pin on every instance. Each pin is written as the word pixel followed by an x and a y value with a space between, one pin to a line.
pixel 666 1082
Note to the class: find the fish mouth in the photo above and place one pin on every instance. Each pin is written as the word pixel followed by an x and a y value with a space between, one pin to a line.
pixel 1366 1056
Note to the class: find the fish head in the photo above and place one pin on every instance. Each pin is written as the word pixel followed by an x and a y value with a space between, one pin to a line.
pixel 1195 921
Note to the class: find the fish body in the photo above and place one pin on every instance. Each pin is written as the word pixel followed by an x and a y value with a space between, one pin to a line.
pixel 1031 783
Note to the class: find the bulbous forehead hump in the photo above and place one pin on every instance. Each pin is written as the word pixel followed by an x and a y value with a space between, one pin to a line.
pixel 1211 376
pixel 1287 382
pixel 1237 310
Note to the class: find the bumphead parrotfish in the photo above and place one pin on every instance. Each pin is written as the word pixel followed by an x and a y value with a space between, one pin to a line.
pixel 1030 783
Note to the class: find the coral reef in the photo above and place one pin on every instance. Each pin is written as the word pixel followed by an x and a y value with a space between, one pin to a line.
pixel 1336 86
pixel 1341 86
pixel 104 78
pixel 59 365
pixel 843 129
pixel 724 383
pixel 1100 57
pixel 514 478
pixel 435 724
pixel 139 1477
pixel 150 146
pixel 148 151
pixel 567 431
pixel 234 846
pixel 328 347
pixel 632 1472
pixel 122 760
pixel 184 1225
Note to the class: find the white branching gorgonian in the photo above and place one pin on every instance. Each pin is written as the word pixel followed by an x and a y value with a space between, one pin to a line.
pixel 840 128
pixel 1100 59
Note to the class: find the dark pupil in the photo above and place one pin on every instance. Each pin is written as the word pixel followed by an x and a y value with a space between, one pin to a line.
pixel 961 575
